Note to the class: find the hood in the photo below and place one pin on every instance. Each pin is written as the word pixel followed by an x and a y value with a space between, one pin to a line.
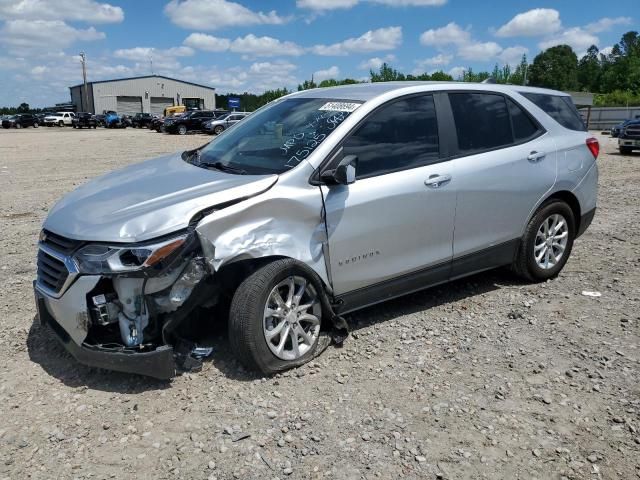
pixel 148 200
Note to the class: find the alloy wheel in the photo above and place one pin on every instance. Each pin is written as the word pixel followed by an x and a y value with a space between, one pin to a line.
pixel 291 323
pixel 551 241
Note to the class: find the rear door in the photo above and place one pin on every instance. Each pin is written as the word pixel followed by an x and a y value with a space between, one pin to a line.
pixel 397 218
pixel 506 163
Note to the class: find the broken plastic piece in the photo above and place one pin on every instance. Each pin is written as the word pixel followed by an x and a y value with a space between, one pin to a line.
pixel 587 293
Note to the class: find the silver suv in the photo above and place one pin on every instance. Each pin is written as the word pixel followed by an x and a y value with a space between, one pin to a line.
pixel 220 124
pixel 321 203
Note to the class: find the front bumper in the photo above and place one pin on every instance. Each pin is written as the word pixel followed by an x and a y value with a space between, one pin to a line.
pixel 629 142
pixel 71 329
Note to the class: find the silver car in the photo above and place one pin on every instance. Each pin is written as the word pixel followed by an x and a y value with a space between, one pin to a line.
pixel 220 124
pixel 320 203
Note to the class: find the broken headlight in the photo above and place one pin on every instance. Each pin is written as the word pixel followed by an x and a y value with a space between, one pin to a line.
pixel 104 259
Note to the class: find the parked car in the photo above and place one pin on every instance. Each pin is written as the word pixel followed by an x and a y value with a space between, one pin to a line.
pixel 127 120
pixel 20 120
pixel 615 131
pixel 40 118
pixel 59 119
pixel 84 119
pixel 188 122
pixel 100 119
pixel 629 138
pixel 142 120
pixel 319 204
pixel 223 122
pixel 113 120
pixel 156 124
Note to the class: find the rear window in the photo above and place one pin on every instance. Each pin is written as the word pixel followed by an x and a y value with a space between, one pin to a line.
pixel 523 127
pixel 560 108
pixel 482 121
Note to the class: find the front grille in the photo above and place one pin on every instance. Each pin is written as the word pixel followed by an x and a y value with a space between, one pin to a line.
pixel 65 246
pixel 52 273
pixel 632 131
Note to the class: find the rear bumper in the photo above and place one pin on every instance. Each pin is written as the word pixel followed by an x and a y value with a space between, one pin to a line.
pixel 158 364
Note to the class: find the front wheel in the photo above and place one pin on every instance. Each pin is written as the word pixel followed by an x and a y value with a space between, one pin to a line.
pixel 18 125
pixel 182 129
pixel 547 242
pixel 218 130
pixel 61 124
pixel 625 150
pixel 276 316
pixel 35 125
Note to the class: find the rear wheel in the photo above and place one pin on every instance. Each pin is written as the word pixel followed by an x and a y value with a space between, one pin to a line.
pixel 18 125
pixel 547 242
pixel 625 150
pixel 275 317
pixel 35 125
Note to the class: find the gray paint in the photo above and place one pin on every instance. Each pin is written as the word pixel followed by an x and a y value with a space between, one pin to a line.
pixel 102 95
pixel 489 198
pixel 147 200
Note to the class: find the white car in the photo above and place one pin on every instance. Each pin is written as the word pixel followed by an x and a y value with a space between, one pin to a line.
pixel 60 119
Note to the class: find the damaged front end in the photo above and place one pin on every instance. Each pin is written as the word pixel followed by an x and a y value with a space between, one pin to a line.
pixel 126 307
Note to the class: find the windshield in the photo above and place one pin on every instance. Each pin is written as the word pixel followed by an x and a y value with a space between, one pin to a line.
pixel 277 138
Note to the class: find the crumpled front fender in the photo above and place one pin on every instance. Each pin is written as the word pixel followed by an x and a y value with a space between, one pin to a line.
pixel 284 221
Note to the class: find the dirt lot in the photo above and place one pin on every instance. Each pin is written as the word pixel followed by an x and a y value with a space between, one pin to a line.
pixel 483 378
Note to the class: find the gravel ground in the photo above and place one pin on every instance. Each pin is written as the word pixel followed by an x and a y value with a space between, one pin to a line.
pixel 483 378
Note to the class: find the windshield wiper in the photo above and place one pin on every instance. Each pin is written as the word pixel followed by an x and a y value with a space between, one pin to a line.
pixel 225 168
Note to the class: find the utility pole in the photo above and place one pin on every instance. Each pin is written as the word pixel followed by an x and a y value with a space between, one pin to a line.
pixel 83 60
pixel 151 64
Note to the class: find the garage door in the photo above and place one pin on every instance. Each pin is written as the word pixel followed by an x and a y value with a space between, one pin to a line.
pixel 129 105
pixel 158 104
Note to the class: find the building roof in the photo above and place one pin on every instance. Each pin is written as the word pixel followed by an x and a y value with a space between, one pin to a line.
pixel 144 76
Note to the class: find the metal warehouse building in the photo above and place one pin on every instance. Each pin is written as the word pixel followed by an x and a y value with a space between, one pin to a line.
pixel 149 94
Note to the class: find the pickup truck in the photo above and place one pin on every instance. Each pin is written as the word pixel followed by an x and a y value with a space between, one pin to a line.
pixel 60 119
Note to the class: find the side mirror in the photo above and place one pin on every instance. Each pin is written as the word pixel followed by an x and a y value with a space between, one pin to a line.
pixel 344 173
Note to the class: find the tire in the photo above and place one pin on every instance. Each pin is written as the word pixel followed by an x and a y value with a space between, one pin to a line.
pixel 182 129
pixel 61 124
pixel 625 150
pixel 18 125
pixel 218 130
pixel 248 326
pixel 35 125
pixel 525 264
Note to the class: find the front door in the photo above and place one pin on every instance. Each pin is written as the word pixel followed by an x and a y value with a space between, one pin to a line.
pixel 397 218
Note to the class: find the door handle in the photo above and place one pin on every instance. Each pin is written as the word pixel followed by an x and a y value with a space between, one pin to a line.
pixel 436 181
pixel 536 156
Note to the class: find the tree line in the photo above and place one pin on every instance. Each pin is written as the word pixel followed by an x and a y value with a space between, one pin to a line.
pixel 613 76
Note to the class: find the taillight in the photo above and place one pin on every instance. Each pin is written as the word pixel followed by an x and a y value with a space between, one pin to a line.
pixel 593 146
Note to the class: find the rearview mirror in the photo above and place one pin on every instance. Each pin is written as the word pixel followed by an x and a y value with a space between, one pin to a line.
pixel 344 173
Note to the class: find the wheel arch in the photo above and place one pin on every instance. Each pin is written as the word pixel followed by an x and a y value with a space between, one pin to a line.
pixel 564 195
pixel 234 271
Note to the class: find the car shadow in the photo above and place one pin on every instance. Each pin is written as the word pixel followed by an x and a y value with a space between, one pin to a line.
pixel 45 350
pixel 222 358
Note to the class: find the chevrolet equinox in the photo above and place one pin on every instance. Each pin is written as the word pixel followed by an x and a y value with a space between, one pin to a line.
pixel 320 203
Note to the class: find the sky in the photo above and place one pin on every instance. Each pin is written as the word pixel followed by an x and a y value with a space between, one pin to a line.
pixel 252 45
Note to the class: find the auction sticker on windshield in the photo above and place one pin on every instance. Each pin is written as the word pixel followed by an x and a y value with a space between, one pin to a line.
pixel 340 106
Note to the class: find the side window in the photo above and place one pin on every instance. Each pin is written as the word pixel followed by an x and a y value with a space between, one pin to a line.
pixel 400 135
pixel 523 127
pixel 482 121
pixel 560 108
